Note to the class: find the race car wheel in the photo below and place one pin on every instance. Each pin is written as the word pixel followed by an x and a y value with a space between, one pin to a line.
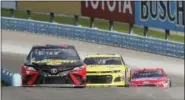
pixel 169 84
pixel 126 79
pixel 128 75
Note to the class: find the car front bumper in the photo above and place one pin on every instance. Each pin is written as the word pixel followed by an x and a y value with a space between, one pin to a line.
pixel 39 77
pixel 105 80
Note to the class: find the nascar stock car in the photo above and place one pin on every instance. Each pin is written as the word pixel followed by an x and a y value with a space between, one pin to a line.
pixel 106 70
pixel 149 77
pixel 53 65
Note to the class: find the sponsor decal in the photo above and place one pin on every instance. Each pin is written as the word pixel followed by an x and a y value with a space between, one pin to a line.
pixel 54 62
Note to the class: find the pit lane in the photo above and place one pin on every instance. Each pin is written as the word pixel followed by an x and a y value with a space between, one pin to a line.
pixel 12 62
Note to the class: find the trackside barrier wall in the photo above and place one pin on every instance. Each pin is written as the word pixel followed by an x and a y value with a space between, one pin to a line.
pixel 13 79
pixel 118 39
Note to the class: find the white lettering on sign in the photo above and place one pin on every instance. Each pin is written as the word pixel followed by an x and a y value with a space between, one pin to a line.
pixel 163 10
pixel 119 6
pixel 103 6
pixel 94 5
pixel 122 7
pixel 113 6
pixel 127 5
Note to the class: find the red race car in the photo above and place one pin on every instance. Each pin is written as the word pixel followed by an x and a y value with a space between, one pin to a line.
pixel 149 77
pixel 53 65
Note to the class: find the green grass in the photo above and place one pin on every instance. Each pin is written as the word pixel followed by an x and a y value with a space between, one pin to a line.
pixel 103 24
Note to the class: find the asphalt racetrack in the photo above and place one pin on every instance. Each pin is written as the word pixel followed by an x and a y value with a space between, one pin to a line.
pixel 12 61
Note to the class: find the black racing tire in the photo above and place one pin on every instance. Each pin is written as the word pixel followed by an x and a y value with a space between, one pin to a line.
pixel 127 78
pixel 170 84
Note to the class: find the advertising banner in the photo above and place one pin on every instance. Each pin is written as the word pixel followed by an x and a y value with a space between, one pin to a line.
pixel 160 14
pixel 8 4
pixel 122 11
pixel 60 7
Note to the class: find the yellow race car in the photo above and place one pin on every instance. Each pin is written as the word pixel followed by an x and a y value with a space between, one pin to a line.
pixel 106 70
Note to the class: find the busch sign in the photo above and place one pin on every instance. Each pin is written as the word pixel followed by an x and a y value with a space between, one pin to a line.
pixel 122 11
pixel 161 14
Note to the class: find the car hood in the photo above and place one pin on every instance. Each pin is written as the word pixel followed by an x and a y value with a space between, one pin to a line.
pixel 150 80
pixel 105 68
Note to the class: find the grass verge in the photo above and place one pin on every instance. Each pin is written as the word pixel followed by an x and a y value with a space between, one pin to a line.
pixel 101 24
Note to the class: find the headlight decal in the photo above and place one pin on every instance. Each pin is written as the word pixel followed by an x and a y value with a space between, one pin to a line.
pixel 78 68
pixel 29 68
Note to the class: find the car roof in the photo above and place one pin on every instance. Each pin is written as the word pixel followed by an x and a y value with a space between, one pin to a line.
pixel 52 45
pixel 102 55
pixel 147 69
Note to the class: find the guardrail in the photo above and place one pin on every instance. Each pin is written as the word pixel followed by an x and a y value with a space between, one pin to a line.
pixel 12 79
pixel 147 44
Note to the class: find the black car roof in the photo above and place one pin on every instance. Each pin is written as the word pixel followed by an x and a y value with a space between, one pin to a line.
pixel 51 45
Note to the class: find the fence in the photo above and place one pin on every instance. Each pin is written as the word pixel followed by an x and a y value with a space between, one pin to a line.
pixel 151 45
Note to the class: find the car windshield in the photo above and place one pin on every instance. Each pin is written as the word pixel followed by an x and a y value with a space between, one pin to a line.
pixel 53 53
pixel 103 61
pixel 148 74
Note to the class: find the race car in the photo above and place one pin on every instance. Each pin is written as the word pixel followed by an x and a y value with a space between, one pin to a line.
pixel 106 70
pixel 149 77
pixel 53 65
